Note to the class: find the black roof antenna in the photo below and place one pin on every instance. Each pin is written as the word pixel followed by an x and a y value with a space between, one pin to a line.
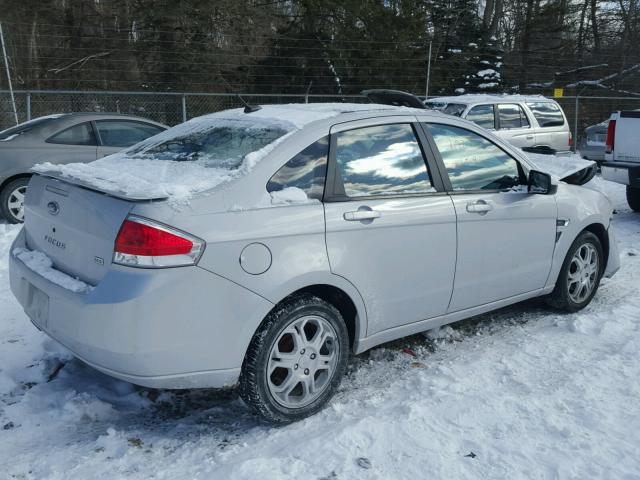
pixel 247 107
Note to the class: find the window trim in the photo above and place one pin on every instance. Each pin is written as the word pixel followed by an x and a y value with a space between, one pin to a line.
pixel 91 126
pixel 522 110
pixel 99 137
pixel 445 175
pixel 334 188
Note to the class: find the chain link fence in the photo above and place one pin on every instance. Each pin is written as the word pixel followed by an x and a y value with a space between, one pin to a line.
pixel 174 108
pixel 167 108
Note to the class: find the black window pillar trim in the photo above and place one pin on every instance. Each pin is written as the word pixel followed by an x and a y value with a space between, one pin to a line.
pixel 435 156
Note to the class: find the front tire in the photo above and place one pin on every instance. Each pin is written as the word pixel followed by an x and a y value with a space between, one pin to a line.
pixel 296 360
pixel 12 200
pixel 633 198
pixel 580 275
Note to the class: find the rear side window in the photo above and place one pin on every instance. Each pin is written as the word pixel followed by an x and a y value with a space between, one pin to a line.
pixel 512 116
pixel 482 115
pixel 118 133
pixel 81 134
pixel 306 171
pixel 547 114
pixel 472 161
pixel 381 160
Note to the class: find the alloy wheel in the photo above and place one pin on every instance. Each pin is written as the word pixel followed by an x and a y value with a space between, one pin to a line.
pixel 15 203
pixel 302 361
pixel 583 273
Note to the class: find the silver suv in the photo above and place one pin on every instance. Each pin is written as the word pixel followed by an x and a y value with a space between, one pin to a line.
pixel 264 247
pixel 534 123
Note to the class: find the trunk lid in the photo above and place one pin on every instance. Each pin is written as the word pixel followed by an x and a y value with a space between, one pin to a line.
pixel 74 226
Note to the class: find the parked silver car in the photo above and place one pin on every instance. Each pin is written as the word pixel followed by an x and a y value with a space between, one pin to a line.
pixel 593 142
pixel 62 138
pixel 533 123
pixel 263 247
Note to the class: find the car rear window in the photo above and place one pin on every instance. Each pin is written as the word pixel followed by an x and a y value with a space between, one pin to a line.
pixel 11 133
pixel 547 114
pixel 223 144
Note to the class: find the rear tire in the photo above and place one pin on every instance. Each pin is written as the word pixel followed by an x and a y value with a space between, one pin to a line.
pixel 580 275
pixel 296 360
pixel 633 198
pixel 12 200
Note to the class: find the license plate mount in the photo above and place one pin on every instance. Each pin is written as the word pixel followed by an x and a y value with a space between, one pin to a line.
pixel 37 306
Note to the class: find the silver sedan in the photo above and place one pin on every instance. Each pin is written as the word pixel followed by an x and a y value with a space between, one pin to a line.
pixel 61 138
pixel 261 247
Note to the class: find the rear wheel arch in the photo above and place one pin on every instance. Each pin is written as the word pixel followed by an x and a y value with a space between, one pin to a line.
pixel 351 310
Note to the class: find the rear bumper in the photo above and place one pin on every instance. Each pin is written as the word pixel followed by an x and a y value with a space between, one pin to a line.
pixel 622 172
pixel 169 328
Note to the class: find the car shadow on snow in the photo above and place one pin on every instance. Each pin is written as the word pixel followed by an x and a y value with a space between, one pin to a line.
pixel 220 414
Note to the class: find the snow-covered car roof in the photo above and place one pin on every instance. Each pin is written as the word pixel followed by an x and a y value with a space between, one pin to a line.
pixel 486 98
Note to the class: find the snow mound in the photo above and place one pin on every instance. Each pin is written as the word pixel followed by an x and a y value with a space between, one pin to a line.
pixel 42 265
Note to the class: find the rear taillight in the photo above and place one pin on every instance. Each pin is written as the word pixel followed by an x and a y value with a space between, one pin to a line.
pixel 144 243
pixel 570 140
pixel 611 135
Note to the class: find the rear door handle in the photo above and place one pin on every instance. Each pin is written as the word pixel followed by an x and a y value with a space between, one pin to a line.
pixel 480 207
pixel 529 137
pixel 361 215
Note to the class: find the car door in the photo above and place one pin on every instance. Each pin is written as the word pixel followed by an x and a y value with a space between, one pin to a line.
pixel 390 228
pixel 115 135
pixel 514 125
pixel 506 236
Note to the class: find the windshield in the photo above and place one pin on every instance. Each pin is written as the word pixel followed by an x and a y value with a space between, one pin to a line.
pixel 222 144
pixel 13 132
pixel 448 108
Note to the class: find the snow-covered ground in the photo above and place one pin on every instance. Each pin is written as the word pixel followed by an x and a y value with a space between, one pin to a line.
pixel 519 393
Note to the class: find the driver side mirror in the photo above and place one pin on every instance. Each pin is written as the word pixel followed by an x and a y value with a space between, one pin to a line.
pixel 540 183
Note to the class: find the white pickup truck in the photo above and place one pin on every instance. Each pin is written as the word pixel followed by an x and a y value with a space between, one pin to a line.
pixel 622 154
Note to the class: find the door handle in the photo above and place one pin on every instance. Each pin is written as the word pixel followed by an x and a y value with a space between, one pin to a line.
pixel 529 137
pixel 480 207
pixel 362 214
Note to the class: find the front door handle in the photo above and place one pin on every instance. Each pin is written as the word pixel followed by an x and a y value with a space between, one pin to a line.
pixel 362 214
pixel 529 137
pixel 480 207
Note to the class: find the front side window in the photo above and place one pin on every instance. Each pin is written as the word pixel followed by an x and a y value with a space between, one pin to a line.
pixel 472 161
pixel 547 114
pixel 306 171
pixel 482 115
pixel 512 116
pixel 381 160
pixel 81 134
pixel 118 133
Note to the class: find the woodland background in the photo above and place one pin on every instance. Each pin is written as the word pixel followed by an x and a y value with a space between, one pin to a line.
pixel 333 47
